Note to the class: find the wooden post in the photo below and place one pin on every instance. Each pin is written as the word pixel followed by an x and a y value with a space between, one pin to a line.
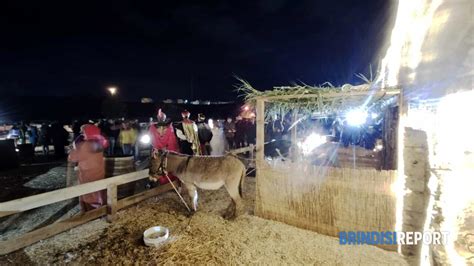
pixel 252 157
pixel 260 155
pixel 111 202
pixel 70 173
pixel 293 135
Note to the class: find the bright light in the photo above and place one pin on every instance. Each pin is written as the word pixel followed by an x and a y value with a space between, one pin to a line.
pixel 356 117
pixel 145 139
pixel 246 108
pixel 112 90
pixel 311 142
pixel 414 21
pixel 374 115
pixel 454 149
pixel 210 122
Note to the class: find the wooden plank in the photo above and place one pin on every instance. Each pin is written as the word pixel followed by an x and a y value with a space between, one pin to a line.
pixel 28 203
pixel 49 231
pixel 260 155
pixel 111 203
pixel 123 203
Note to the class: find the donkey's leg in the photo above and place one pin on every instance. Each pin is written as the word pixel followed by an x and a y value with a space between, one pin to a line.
pixel 192 192
pixel 232 186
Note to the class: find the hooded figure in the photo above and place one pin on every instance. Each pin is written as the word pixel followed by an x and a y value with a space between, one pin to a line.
pixel 88 153
pixel 187 133
pixel 163 138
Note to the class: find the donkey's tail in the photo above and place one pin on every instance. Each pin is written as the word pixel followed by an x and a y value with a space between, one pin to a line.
pixel 242 179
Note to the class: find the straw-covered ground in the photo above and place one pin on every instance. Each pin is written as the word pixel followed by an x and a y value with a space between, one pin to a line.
pixel 205 238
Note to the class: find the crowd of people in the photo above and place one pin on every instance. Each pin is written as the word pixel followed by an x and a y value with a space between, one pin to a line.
pixel 88 142
pixel 45 135
pixel 204 137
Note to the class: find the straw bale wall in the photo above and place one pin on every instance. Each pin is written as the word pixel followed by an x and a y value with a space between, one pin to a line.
pixel 325 199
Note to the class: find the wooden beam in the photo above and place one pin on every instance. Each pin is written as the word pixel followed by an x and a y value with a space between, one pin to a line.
pixel 28 203
pixel 124 203
pixel 294 136
pixel 49 231
pixel 330 95
pixel 32 237
pixel 251 147
pixel 260 154
pixel 111 203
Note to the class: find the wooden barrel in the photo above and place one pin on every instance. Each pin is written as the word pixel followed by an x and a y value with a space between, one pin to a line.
pixel 115 166
pixel 8 155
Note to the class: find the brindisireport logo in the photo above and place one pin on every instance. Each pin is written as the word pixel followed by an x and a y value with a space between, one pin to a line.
pixel 392 238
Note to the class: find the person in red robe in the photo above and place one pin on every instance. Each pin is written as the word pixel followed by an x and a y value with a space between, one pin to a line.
pixel 163 138
pixel 88 153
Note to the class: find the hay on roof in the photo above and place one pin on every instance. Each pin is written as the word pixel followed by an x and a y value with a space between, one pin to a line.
pixel 324 100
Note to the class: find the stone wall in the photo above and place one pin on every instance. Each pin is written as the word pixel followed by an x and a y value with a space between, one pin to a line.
pixel 416 199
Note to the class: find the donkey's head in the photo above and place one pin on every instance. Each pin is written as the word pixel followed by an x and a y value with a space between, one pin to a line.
pixel 158 163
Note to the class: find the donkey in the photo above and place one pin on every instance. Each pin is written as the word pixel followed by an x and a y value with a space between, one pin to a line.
pixel 205 172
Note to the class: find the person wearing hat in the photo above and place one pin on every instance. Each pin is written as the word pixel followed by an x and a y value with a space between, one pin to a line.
pixel 187 133
pixel 88 153
pixel 163 138
pixel 204 134
pixel 162 134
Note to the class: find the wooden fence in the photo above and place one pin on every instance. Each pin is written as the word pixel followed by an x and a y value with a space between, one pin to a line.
pixel 113 205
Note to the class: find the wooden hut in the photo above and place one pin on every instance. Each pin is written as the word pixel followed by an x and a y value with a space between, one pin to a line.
pixel 324 198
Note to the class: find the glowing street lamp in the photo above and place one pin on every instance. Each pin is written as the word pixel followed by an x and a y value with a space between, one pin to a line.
pixel 112 90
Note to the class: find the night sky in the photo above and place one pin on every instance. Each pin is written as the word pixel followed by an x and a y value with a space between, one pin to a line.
pixel 185 49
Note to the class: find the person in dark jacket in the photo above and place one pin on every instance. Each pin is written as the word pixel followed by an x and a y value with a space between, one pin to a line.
pixel 59 136
pixel 33 136
pixel 229 131
pixel 204 134
pixel 239 132
pixel 251 134
pixel 45 138
pixel 113 135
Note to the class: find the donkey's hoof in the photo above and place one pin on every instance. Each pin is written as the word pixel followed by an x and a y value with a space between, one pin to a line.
pixel 228 215
pixel 190 214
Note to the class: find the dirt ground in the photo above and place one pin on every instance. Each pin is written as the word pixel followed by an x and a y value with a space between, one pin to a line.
pixel 204 238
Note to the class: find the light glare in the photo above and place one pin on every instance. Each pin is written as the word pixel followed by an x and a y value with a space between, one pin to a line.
pixel 145 139
pixel 311 142
pixel 356 117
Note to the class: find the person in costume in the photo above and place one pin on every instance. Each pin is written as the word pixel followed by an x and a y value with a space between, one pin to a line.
pixel 187 133
pixel 88 153
pixel 163 137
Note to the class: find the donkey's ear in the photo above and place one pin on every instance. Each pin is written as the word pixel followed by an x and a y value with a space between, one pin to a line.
pixel 154 154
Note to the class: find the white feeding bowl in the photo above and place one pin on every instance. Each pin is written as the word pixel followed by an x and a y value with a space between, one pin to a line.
pixel 155 236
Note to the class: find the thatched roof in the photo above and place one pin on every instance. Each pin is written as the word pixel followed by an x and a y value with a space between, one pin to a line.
pixel 324 100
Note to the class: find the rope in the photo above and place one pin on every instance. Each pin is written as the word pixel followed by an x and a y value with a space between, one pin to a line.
pixel 177 192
